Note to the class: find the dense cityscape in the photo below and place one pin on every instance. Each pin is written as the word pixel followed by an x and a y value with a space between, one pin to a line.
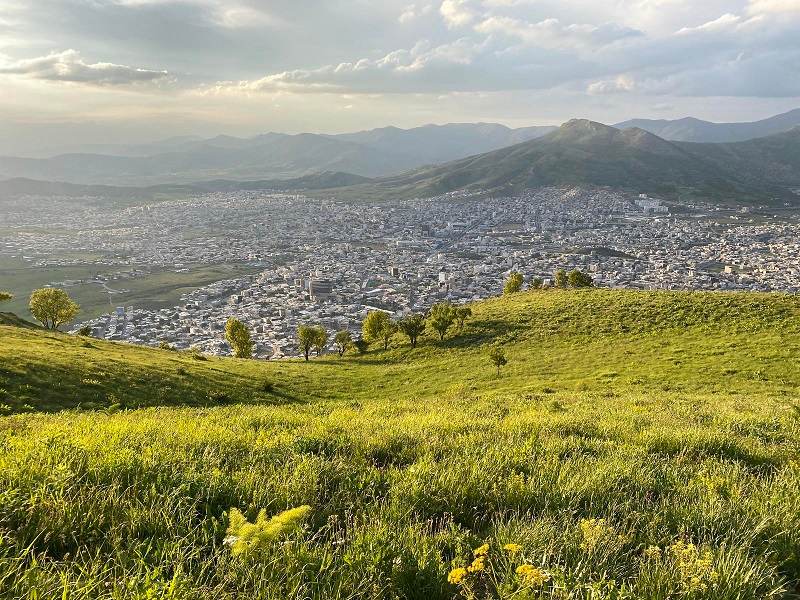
pixel 329 262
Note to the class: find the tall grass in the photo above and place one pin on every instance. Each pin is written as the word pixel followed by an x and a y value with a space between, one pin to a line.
pixel 137 504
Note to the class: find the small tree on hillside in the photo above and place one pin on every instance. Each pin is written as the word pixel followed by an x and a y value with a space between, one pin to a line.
pixel 513 283
pixel 306 336
pixel 53 308
pixel 579 279
pixel 378 326
pixel 238 337
pixel 536 283
pixel 498 357
pixel 361 345
pixel 320 339
pixel 441 318
pixel 5 297
pixel 343 340
pixel 561 279
pixel 413 326
pixel 462 314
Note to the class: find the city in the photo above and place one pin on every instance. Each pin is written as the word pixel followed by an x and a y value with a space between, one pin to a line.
pixel 330 262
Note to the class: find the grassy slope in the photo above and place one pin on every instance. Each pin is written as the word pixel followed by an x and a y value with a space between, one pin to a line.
pixel 673 416
pixel 562 341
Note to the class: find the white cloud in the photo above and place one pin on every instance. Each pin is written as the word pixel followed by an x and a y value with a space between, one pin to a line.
pixel 551 33
pixel 457 13
pixel 620 84
pixel 70 67
pixel 774 6
pixel 413 12
pixel 726 21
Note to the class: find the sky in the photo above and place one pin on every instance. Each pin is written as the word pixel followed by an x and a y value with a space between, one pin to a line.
pixel 122 71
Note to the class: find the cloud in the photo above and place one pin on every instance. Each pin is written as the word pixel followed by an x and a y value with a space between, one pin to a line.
pixel 774 6
pixel 68 66
pixel 413 12
pixel 457 13
pixel 552 33
pixel 726 21
pixel 620 84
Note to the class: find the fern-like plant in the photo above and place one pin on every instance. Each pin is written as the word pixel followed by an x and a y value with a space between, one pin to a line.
pixel 247 538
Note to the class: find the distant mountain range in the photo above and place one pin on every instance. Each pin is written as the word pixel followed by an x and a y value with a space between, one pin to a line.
pixel 762 171
pixel 695 130
pixel 587 153
pixel 274 155
pixel 374 153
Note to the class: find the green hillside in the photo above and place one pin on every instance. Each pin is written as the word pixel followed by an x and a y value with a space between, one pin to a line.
pixel 637 445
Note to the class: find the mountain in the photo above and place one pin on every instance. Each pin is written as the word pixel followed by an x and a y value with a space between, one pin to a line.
pixel 695 130
pixel 12 188
pixel 583 152
pixel 273 155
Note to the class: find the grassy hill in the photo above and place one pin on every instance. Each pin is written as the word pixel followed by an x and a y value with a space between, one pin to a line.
pixel 623 422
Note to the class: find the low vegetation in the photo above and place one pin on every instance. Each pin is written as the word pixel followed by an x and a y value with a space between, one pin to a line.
pixel 639 445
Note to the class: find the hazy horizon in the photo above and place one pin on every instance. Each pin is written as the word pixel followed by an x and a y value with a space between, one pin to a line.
pixel 131 71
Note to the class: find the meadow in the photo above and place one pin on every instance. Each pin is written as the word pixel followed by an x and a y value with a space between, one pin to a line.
pixel 637 445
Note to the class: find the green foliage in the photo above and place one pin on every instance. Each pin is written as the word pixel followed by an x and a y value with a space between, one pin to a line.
pixel 378 327
pixel 561 279
pixel 5 296
pixel 412 326
pixel 320 339
pixel 536 283
pixel 513 283
pixel 85 331
pixel 238 337
pixel 441 318
pixel 248 539
pixel 307 338
pixel 361 345
pixel 343 341
pixel 497 356
pixel 463 313
pixel 579 279
pixel 52 307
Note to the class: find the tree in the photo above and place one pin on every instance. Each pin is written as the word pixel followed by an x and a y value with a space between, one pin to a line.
pixel 343 341
pixel 5 297
pixel 85 331
pixel 52 308
pixel 320 339
pixel 513 283
pixel 238 337
pixel 498 357
pixel 306 336
pixel 579 279
pixel 462 314
pixel 378 326
pixel 361 345
pixel 441 318
pixel 412 326
pixel 560 279
pixel 536 283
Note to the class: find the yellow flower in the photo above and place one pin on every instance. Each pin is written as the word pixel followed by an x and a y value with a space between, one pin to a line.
pixel 653 552
pixel 481 550
pixel 512 548
pixel 456 576
pixel 595 532
pixel 477 565
pixel 532 576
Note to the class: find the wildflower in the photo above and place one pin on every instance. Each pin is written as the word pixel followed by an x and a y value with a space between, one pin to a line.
pixel 512 548
pixel 652 553
pixel 595 532
pixel 477 565
pixel 456 576
pixel 532 576
pixel 481 550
